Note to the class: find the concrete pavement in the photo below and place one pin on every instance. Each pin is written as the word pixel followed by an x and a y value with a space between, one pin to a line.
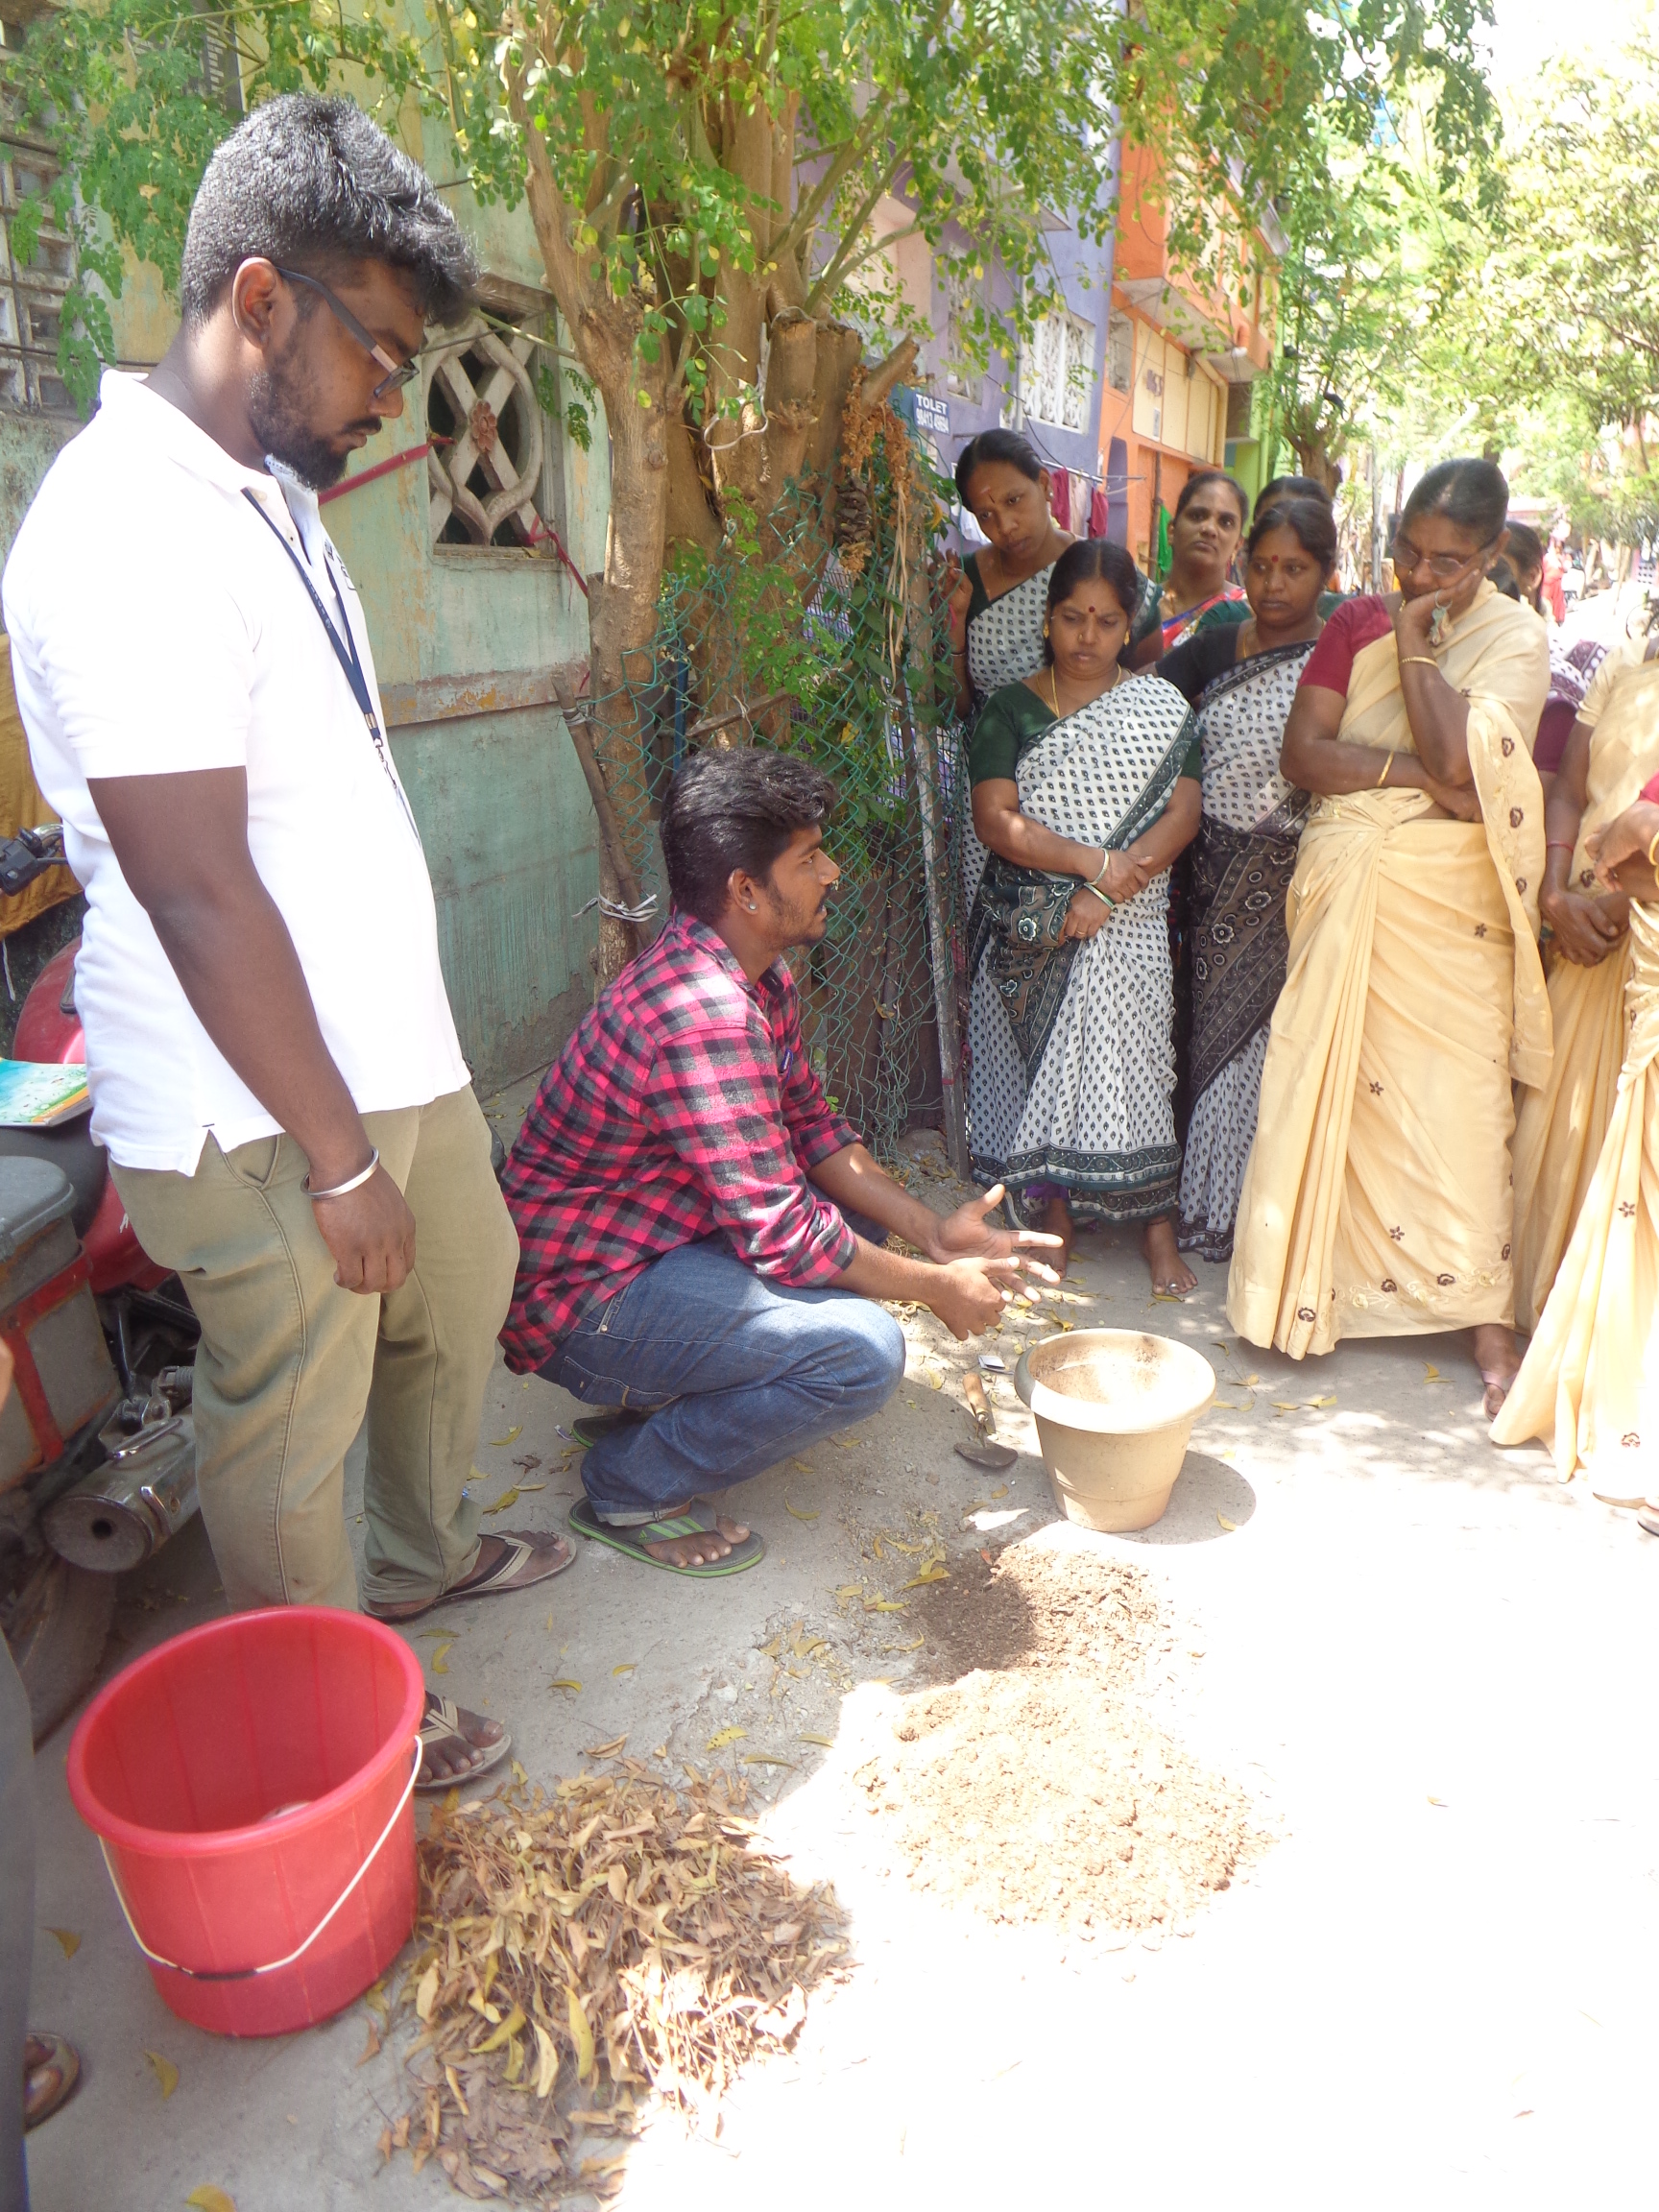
pixel 1429 1663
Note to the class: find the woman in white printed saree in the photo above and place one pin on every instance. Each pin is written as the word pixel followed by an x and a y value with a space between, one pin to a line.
pixel 1085 789
pixel 1377 1200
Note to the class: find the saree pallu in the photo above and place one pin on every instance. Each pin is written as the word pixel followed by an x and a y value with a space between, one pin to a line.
pixel 1240 947
pixel 1377 1200
pixel 1241 869
pixel 1589 1384
pixel 1072 1062
pixel 1559 1125
pixel 1004 646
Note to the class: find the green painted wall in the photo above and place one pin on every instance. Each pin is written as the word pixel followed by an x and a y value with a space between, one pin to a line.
pixel 503 812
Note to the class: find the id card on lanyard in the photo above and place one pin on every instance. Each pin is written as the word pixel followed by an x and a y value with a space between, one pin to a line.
pixel 347 654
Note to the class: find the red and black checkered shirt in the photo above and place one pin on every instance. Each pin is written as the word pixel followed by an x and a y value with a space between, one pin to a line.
pixel 683 1104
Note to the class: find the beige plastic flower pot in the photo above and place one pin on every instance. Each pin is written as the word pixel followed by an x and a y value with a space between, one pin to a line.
pixel 1115 1409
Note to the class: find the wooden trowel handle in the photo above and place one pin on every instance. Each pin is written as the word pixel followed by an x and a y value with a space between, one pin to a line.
pixel 978 1405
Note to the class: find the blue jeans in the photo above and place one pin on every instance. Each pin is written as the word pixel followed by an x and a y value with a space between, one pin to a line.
pixel 732 1370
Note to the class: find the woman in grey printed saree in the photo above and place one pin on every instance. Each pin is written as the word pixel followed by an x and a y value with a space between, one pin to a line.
pixel 1085 789
pixel 1241 682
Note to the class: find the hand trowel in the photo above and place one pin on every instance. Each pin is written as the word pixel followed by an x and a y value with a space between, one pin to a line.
pixel 985 1452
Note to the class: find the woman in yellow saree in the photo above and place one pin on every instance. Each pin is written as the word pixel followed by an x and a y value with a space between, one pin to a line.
pixel 1588 1385
pixel 1614 748
pixel 1377 1199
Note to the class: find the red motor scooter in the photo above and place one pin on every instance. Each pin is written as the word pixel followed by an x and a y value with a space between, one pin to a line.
pixel 97 1444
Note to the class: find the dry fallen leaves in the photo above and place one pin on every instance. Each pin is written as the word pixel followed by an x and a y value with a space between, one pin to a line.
pixel 69 1940
pixel 209 2197
pixel 165 2071
pixel 614 1937
pixel 500 1443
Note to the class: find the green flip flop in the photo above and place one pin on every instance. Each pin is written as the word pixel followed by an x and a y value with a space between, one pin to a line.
pixel 691 1521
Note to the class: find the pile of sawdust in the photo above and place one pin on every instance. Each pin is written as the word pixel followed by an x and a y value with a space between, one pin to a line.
pixel 1043 1790
pixel 620 1934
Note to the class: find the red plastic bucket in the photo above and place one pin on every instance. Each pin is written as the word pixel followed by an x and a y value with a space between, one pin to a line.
pixel 250 1785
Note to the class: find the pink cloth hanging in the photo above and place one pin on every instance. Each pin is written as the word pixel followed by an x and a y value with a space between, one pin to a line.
pixel 1099 511
pixel 1060 497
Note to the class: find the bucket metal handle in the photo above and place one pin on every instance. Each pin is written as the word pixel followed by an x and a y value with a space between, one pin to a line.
pixel 248 1972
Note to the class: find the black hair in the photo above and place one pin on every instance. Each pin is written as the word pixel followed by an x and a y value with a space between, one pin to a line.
pixel 1091 561
pixel 1504 579
pixel 1289 488
pixel 1311 521
pixel 312 184
pixel 1525 549
pixel 1474 495
pixel 1202 476
pixel 734 809
pixel 995 445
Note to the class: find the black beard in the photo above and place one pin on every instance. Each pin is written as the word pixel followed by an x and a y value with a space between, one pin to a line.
pixel 277 412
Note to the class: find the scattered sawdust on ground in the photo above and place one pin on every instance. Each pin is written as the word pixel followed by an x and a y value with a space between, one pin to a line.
pixel 1037 1788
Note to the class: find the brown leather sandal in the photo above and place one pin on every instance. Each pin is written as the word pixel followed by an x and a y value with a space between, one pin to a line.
pixel 51 2071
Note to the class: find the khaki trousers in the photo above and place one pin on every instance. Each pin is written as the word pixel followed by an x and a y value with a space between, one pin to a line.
pixel 289 1362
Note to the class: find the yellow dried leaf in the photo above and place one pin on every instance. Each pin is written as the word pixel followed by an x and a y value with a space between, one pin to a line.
pixel 935 1570
pixel 847 1590
pixel 211 2197
pixel 1250 1383
pixel 828 1741
pixel 165 2071
pixel 884 1605
pixel 582 2035
pixel 1431 1373
pixel 565 1683
pixel 1231 1527
pixel 506 1499
pixel 426 1994
pixel 914 1645
pixel 499 1443
pixel 796 1512
pixel 719 1742
pixel 627 1666
pixel 67 1938
pixel 1286 1406
pixel 800 1466
pixel 512 2026
pixel 547 2065
pixel 936 1381
pixel 606 1751
pixel 1321 1401
pixel 371 2047
pixel 765 1758
pixel 441 1657
pixel 1231 1404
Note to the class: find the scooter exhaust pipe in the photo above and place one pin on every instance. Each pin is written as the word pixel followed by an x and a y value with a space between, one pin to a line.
pixel 123 1512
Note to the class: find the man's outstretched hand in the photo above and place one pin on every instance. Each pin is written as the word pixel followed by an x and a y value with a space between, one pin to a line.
pixel 968 1234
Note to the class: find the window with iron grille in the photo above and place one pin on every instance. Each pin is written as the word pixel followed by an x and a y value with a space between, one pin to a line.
pixel 32 294
pixel 1056 368
pixel 962 298
pixel 493 468
pixel 1121 352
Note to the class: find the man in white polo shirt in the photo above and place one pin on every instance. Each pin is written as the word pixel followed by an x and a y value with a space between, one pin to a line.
pixel 273 1062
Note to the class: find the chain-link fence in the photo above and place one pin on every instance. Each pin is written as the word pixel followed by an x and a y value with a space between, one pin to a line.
pixel 834 647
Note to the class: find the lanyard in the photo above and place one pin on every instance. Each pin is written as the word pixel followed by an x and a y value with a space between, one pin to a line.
pixel 345 653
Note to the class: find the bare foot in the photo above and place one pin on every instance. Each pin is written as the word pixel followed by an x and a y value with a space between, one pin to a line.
pixel 1172 1277
pixel 1057 1221
pixel 1499 1362
pixel 700 1551
pixel 455 1744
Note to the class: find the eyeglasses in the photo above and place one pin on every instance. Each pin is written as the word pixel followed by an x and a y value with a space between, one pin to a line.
pixel 397 373
pixel 1444 568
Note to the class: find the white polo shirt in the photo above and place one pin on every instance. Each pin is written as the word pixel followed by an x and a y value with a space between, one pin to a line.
pixel 158 626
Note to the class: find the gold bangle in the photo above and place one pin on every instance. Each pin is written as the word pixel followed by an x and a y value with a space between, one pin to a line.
pixel 1652 848
pixel 1418 660
pixel 1384 778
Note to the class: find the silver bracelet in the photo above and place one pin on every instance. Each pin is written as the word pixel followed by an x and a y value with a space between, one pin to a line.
pixel 353 1183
